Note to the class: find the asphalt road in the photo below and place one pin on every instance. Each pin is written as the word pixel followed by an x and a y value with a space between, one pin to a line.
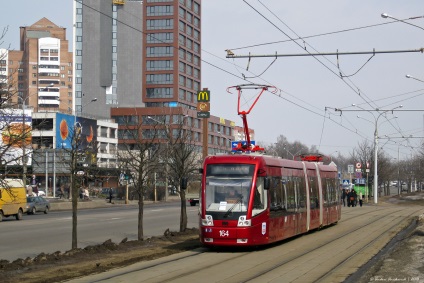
pixel 51 232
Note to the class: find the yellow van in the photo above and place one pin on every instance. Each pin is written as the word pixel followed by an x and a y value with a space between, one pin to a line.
pixel 12 198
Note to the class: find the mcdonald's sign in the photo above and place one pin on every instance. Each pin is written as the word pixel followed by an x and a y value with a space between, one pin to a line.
pixel 203 96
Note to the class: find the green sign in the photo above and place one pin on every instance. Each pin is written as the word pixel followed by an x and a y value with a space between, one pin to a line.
pixel 203 114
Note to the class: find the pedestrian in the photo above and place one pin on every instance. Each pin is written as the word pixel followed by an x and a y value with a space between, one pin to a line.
pixel 360 199
pixel 86 194
pixel 353 198
pixel 34 185
pixel 344 196
pixel 110 195
pixel 35 190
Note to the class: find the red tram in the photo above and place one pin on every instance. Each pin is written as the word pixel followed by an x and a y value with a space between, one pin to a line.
pixel 254 199
pixel 250 198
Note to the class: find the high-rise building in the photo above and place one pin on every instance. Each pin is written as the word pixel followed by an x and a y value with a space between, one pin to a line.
pixel 41 72
pixel 171 53
pixel 143 58
pixel 107 55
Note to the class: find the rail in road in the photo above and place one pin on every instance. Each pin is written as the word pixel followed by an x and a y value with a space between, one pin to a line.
pixel 327 255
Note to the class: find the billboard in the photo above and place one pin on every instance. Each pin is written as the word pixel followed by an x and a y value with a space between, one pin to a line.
pixel 87 128
pixel 16 136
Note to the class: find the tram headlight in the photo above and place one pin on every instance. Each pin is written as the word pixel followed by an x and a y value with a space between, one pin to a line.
pixel 207 221
pixel 243 222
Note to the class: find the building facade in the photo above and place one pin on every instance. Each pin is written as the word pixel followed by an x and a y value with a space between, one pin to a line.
pixel 107 55
pixel 40 74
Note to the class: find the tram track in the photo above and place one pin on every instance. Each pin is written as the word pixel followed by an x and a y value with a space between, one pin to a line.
pixel 328 255
pixel 240 256
pixel 323 245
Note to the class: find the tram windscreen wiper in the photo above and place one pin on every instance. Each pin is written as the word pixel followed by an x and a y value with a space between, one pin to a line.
pixel 233 206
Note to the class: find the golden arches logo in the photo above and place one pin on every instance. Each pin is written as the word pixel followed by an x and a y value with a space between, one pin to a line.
pixel 203 96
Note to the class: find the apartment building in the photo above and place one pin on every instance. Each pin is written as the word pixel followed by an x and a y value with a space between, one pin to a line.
pixel 40 74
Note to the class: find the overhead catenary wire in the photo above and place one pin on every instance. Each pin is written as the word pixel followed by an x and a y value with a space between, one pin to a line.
pixel 304 105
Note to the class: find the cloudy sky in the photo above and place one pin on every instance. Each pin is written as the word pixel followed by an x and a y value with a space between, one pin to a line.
pixel 309 88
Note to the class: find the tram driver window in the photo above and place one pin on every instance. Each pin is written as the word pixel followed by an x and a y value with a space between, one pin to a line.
pixel 259 197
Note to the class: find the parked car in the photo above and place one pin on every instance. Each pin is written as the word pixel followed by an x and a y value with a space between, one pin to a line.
pixel 35 204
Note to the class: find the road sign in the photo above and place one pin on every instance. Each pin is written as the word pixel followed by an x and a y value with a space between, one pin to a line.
pixel 358 165
pixel 345 182
pixel 203 96
pixel 203 114
pixel 350 169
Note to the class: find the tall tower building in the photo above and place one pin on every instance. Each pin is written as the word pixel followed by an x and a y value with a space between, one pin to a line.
pixel 41 71
pixel 172 53
pixel 107 55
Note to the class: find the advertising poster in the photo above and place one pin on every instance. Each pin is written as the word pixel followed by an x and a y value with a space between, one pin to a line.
pixel 85 127
pixel 16 136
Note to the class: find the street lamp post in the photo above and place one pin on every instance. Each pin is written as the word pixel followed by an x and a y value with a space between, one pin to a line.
pixel 376 149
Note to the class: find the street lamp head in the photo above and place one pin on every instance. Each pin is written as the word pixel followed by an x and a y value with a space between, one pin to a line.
pixel 385 15
pixel 94 99
pixel 408 76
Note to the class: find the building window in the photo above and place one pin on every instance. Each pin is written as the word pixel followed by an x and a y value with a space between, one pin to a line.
pixel 160 51
pixel 181 80
pixel 181 67
pixel 160 24
pixel 196 8
pixel 163 92
pixel 163 37
pixel 181 13
pixel 181 94
pixel 181 26
pixel 196 22
pixel 158 65
pixel 160 10
pixel 181 40
pixel 160 79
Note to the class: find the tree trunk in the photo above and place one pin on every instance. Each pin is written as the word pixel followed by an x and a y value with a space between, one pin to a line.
pixel 183 215
pixel 140 217
pixel 74 193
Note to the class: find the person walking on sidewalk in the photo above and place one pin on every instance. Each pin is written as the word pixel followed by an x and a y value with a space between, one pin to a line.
pixel 110 195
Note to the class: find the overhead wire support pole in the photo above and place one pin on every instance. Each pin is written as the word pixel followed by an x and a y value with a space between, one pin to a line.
pixel 233 56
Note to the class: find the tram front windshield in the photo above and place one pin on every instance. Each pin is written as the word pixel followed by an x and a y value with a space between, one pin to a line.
pixel 228 186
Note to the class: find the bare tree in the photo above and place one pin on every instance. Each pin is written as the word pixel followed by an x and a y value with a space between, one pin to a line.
pixel 184 161
pixel 138 157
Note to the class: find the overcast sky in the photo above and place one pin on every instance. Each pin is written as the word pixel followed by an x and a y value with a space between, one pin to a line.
pixel 309 87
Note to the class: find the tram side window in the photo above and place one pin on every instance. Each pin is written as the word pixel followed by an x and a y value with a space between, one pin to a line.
pixel 301 193
pixel 325 193
pixel 291 197
pixel 276 194
pixel 333 196
pixel 313 196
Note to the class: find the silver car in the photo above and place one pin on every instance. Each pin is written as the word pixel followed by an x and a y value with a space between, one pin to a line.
pixel 35 204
